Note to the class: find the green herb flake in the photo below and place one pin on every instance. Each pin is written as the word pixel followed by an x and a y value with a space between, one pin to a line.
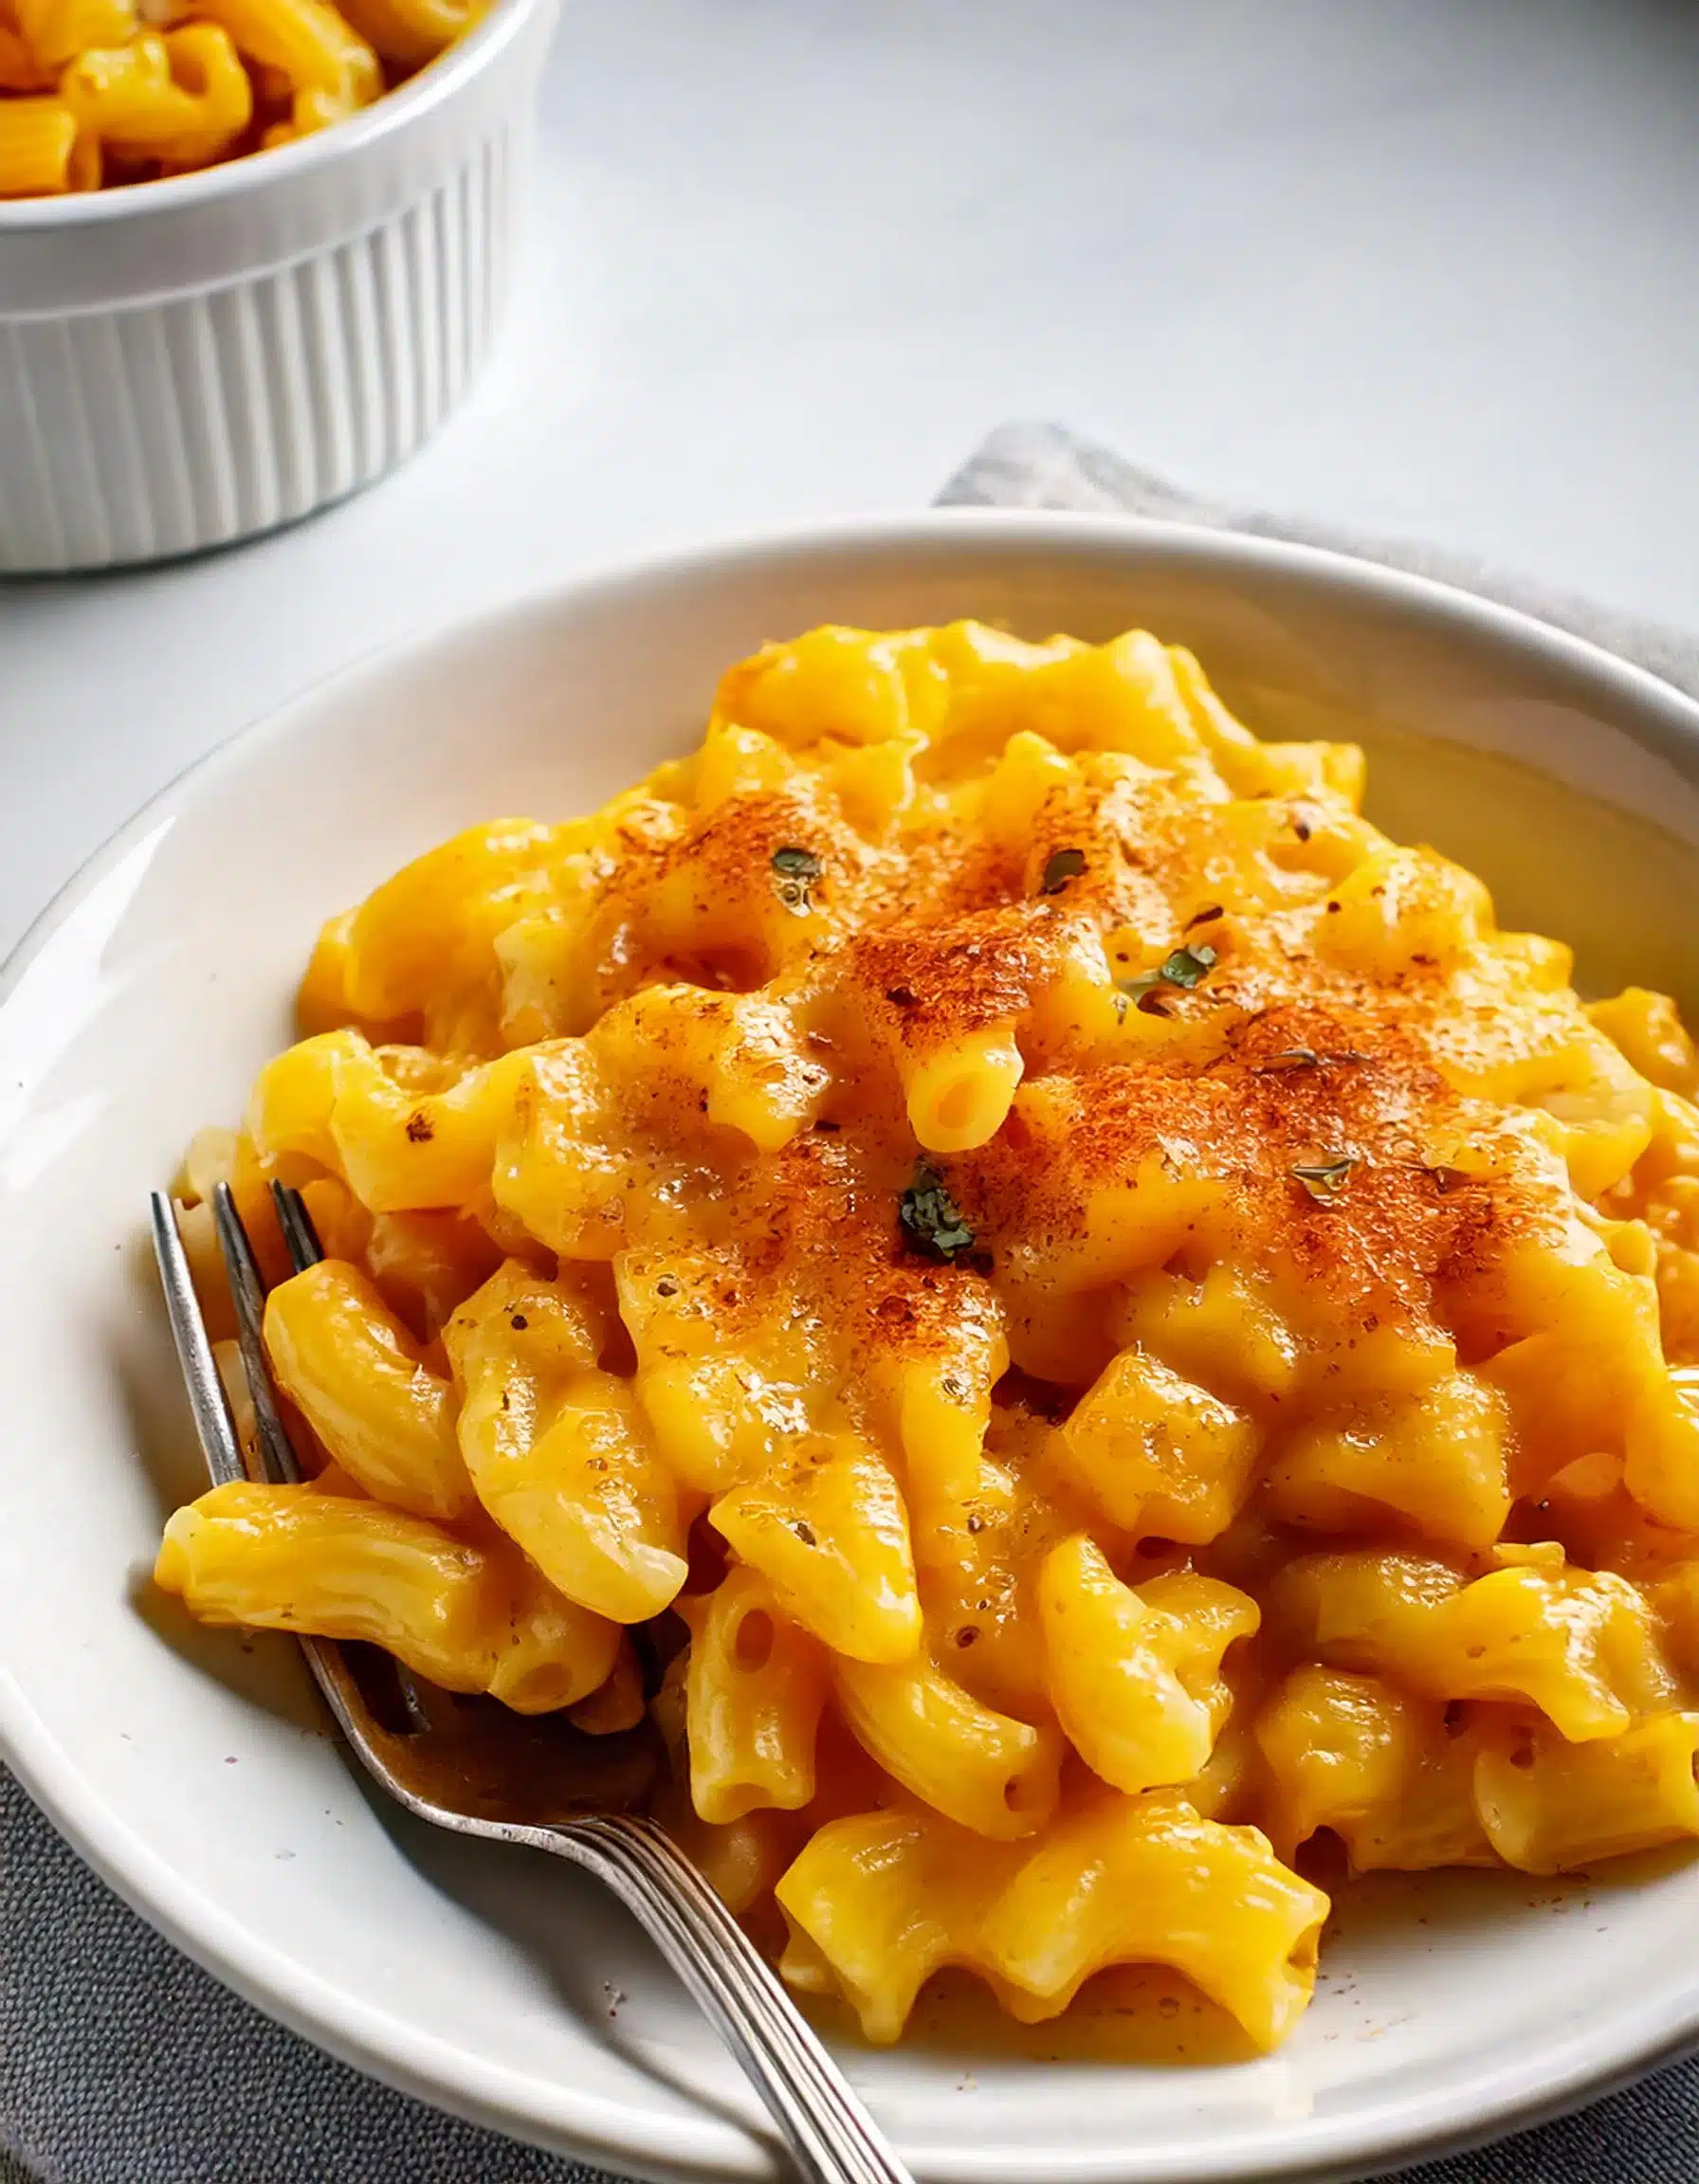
pixel 1324 1179
pixel 1185 968
pixel 795 872
pixel 1064 865
pixel 932 1222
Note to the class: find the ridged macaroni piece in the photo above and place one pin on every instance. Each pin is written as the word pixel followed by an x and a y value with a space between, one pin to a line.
pixel 96 91
pixel 56 31
pixel 756 1685
pixel 559 1450
pixel 1391 1774
pixel 359 1379
pixel 878 1902
pixel 1582 1646
pixel 1107 1320
pixel 19 68
pixel 1135 1672
pixel 987 1771
pixel 1408 1783
pixel 44 150
pixel 326 68
pixel 471 1616
pixel 182 97
pixel 407 34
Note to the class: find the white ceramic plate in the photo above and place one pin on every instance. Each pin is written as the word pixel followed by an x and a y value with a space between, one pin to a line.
pixel 191 1770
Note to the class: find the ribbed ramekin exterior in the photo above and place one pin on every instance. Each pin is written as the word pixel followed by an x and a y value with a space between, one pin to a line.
pixel 134 434
pixel 158 429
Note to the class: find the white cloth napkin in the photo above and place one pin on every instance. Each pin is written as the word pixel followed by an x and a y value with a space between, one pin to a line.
pixel 123 2062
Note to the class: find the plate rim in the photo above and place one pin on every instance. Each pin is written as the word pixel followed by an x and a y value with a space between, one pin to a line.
pixel 579 2121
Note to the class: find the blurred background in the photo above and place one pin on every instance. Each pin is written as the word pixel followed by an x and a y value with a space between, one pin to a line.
pixel 1426 267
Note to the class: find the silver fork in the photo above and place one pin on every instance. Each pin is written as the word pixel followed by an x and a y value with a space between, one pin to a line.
pixel 479 1770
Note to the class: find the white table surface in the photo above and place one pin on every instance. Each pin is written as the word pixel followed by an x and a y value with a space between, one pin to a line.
pixel 1427 266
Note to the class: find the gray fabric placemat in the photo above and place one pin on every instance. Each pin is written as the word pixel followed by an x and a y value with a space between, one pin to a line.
pixel 123 2062
pixel 1030 465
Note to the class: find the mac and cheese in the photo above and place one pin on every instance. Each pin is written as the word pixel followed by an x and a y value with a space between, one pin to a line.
pixel 111 91
pixel 1115 1319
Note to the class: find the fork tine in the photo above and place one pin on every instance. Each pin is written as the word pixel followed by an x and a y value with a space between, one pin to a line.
pixel 214 1425
pixel 297 1225
pixel 305 1250
pixel 248 1293
pixel 216 1428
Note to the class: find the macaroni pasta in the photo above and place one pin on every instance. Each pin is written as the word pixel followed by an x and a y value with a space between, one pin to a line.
pixel 1108 1320
pixel 111 91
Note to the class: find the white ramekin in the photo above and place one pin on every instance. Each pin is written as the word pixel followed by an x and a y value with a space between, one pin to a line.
pixel 190 362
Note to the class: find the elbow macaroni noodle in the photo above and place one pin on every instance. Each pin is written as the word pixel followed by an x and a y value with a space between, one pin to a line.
pixel 1120 1323
pixel 113 91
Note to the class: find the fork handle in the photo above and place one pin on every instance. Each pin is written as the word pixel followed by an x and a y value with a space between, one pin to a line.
pixel 832 2137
